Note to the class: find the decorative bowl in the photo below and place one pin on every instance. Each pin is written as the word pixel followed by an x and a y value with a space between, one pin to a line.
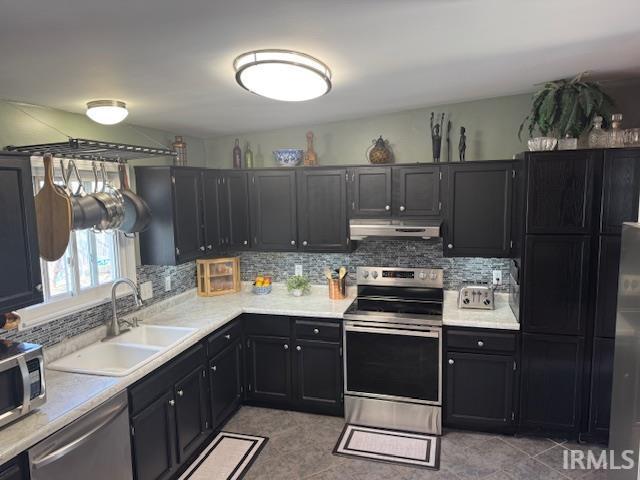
pixel 288 157
pixel 538 144
pixel 262 290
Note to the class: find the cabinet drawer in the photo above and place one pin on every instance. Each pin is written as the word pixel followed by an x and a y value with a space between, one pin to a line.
pixel 270 325
pixel 219 340
pixel 318 330
pixel 481 340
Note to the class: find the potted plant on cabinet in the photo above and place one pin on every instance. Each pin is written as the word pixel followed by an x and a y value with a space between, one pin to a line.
pixel 564 109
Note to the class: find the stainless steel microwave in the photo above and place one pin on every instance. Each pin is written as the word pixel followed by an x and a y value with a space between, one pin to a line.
pixel 22 386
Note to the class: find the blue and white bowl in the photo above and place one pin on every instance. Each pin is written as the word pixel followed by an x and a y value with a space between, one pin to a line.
pixel 288 157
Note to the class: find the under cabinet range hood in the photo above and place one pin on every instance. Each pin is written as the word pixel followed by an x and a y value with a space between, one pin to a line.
pixel 387 228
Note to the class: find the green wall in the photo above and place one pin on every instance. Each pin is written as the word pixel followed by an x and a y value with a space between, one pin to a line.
pixel 18 128
pixel 492 126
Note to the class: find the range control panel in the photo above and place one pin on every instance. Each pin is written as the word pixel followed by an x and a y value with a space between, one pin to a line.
pixel 476 296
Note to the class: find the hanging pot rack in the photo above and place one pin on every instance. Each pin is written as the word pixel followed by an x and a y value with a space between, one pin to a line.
pixel 84 149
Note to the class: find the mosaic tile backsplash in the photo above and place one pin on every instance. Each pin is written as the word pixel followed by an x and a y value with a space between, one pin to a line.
pixel 183 278
pixel 380 253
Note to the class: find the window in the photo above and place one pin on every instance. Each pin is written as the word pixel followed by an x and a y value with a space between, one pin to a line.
pixel 82 277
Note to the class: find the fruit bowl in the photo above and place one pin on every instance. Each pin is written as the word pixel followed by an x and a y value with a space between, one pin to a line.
pixel 288 157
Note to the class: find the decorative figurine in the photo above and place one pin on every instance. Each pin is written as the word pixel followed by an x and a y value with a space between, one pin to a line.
pixel 237 155
pixel 462 146
pixel 248 157
pixel 448 140
pixel 310 156
pixel 180 147
pixel 436 137
pixel 380 152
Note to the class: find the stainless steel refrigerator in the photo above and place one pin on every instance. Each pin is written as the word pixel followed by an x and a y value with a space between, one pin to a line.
pixel 625 402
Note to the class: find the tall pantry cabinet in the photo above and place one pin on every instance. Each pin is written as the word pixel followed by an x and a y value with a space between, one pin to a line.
pixel 575 203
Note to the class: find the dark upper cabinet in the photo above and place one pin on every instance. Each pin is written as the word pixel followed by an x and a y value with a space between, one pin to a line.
pixel 318 375
pixel 607 286
pixel 601 385
pixel 176 233
pixel 210 179
pixel 556 284
pixel 478 222
pixel 191 412
pixel 269 369
pixel 620 189
pixel 233 201
pixel 551 376
pixel 560 191
pixel 273 210
pixel 322 210
pixel 480 390
pixel 416 191
pixel 518 209
pixel 154 440
pixel 225 382
pixel 370 192
pixel 19 255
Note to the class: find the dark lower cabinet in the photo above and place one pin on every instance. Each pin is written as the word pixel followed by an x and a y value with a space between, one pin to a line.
pixel 15 469
pixel 225 382
pixel 154 440
pixel 480 390
pixel 601 384
pixel 318 372
pixel 191 412
pixel 607 285
pixel 551 383
pixel 269 369
pixel 19 253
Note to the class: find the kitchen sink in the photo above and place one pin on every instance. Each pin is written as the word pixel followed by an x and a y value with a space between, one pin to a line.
pixel 122 355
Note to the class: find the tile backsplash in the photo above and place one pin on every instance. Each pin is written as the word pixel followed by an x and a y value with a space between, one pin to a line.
pixel 381 253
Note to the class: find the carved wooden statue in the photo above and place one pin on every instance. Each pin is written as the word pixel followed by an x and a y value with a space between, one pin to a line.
pixel 462 146
pixel 436 137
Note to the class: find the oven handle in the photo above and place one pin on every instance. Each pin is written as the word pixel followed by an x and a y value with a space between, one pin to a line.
pixel 393 331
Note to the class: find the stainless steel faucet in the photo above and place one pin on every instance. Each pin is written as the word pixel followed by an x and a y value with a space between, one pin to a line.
pixel 113 328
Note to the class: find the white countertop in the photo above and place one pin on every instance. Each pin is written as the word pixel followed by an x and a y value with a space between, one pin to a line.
pixel 70 395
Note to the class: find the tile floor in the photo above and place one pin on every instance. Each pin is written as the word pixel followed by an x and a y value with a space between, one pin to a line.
pixel 300 447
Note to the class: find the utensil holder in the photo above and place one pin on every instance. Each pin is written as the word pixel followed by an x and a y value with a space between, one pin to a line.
pixel 337 288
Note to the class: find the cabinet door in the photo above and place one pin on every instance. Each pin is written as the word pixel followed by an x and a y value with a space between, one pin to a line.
pixel 269 369
pixel 551 382
pixel 14 470
pixel 416 191
pixel 225 383
pixel 187 197
pixel 479 390
pixel 620 189
pixel 191 412
pixel 556 284
pixel 601 385
pixel 322 203
pixel 273 210
pixel 153 441
pixel 19 256
pixel 210 179
pixel 236 187
pixel 479 210
pixel 607 286
pixel 560 191
pixel 318 373
pixel 371 192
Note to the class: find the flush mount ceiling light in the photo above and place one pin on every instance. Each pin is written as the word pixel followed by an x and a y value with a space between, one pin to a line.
pixel 107 112
pixel 282 75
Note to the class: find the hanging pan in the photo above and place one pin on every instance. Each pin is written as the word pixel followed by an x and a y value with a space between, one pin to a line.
pixel 137 214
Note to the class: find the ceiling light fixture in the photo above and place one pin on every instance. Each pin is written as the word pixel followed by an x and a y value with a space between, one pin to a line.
pixel 282 75
pixel 107 112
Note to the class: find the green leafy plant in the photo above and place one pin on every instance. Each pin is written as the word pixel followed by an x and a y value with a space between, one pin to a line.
pixel 299 282
pixel 567 107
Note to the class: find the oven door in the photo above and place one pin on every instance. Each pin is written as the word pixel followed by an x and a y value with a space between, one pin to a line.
pixel 394 362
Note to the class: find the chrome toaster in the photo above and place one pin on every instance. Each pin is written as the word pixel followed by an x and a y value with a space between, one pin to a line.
pixel 477 296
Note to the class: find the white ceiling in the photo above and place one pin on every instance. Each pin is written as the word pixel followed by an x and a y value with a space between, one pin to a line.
pixel 171 60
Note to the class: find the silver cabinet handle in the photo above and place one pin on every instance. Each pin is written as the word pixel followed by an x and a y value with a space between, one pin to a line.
pixel 246 242
pixel 293 242
pixel 210 247
pixel 39 287
pixel 450 246
pixel 202 248
pixel 180 393
pixel 387 207
pixel 214 368
pixel 451 362
pixel 480 343
pixel 316 331
pixel 402 208
pixel 228 336
pixel 286 347
pixel 299 348
pixel 172 402
pixel 304 244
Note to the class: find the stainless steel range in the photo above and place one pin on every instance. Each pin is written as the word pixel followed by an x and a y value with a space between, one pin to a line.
pixel 393 349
